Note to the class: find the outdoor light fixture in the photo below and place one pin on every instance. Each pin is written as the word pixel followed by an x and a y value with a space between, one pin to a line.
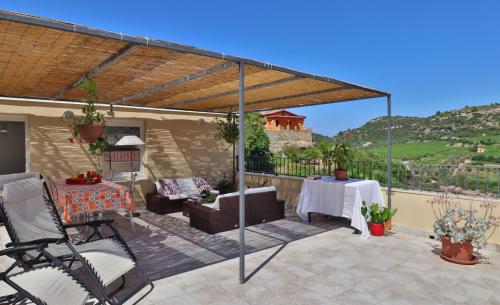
pixel 130 141
pixel 68 115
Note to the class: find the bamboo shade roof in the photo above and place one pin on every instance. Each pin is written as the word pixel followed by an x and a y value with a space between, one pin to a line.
pixel 43 58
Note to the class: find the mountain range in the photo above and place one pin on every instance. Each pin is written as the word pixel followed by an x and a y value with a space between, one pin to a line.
pixel 467 126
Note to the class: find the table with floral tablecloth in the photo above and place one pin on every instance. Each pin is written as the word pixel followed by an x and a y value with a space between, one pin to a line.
pixel 76 199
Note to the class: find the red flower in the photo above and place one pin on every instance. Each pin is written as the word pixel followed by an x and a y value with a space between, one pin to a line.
pixel 71 140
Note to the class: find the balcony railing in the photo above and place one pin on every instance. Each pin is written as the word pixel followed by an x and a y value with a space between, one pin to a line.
pixel 428 177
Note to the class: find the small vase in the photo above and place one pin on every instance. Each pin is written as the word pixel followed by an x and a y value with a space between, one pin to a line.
pixel 377 229
pixel 388 224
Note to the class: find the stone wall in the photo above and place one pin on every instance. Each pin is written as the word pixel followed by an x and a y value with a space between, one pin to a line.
pixel 297 138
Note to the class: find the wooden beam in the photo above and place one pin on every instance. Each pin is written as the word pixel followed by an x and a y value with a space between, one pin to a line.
pixel 105 64
pixel 276 99
pixel 174 83
pixel 232 92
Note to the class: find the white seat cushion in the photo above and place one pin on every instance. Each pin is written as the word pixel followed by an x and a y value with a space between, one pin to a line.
pixel 178 196
pixel 109 259
pixel 216 204
pixel 49 284
pixel 187 186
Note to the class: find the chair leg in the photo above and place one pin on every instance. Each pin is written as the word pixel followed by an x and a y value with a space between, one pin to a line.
pixel 119 287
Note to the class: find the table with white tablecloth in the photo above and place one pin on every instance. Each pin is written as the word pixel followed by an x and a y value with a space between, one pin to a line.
pixel 339 198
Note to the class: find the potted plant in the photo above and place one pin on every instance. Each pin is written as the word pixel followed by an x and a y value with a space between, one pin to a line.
pixel 224 185
pixel 341 156
pixel 377 215
pixel 90 126
pixel 461 227
pixel 228 131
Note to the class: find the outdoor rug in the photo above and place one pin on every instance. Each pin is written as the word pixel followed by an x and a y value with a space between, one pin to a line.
pixel 167 245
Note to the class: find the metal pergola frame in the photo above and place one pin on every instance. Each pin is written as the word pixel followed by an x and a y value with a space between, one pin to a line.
pixel 133 42
pixel 241 164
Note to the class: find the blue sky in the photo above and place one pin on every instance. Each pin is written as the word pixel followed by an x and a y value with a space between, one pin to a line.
pixel 431 55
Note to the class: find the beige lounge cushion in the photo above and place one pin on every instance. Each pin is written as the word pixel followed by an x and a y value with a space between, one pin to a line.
pixel 216 204
pixel 49 284
pixel 107 256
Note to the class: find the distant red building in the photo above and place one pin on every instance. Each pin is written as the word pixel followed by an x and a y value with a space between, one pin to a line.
pixel 283 120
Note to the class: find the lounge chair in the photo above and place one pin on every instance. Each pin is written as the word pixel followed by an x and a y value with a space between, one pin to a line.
pixel 30 214
pixel 50 284
pixel 4 179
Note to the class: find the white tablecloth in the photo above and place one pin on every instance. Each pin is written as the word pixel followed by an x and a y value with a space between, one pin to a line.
pixel 339 198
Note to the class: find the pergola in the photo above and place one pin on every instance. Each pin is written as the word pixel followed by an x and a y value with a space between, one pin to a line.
pixel 43 59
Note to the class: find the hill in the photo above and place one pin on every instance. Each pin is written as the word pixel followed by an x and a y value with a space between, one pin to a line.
pixel 470 133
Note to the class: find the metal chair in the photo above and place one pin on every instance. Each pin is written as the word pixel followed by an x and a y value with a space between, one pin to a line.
pixel 30 214
pixel 50 284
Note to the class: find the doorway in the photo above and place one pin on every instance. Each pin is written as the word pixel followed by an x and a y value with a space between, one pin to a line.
pixel 12 147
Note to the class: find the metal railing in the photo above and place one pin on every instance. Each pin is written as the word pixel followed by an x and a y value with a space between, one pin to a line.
pixel 427 177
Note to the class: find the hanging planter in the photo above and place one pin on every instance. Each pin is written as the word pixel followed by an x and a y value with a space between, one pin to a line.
pixel 90 126
pixel 90 133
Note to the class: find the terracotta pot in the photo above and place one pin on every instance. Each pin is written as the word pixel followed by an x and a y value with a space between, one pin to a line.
pixel 90 133
pixel 341 175
pixel 457 252
pixel 377 229
pixel 388 224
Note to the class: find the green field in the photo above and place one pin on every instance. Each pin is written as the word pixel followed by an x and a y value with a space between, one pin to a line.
pixel 428 152
pixel 436 152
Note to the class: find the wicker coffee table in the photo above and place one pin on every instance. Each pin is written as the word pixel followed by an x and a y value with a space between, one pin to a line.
pixel 194 201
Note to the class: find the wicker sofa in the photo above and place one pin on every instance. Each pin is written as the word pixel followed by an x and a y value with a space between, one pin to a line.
pixel 160 204
pixel 261 205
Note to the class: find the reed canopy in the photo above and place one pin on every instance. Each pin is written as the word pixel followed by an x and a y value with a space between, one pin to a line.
pixel 42 58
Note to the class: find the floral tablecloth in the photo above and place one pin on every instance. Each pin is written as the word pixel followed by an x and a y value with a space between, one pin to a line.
pixel 78 199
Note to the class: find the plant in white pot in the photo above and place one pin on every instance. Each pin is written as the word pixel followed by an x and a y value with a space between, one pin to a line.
pixel 90 126
pixel 461 227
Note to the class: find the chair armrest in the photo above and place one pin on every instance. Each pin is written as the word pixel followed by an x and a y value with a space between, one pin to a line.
pixel 20 250
pixel 35 242
pixel 204 218
pixel 93 223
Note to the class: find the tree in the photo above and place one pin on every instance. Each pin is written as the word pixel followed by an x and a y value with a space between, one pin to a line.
pixel 256 139
pixel 325 149
pixel 292 153
pixel 227 130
